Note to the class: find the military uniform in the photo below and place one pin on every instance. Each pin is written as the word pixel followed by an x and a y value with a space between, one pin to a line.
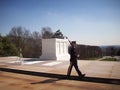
pixel 73 60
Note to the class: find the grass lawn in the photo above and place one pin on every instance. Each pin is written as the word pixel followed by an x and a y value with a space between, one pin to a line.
pixel 95 58
pixel 109 59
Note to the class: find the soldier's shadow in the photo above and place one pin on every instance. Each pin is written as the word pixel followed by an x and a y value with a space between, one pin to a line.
pixel 51 80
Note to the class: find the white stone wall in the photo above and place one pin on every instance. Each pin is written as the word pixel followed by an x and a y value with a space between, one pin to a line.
pixel 55 49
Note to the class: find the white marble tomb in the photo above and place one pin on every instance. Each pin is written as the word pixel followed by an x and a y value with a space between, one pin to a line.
pixel 55 49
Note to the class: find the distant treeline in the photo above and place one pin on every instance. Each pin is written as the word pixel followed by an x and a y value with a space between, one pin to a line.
pixel 20 40
pixel 111 50
pixel 87 52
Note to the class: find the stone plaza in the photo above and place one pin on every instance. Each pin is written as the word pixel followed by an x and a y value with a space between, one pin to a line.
pixel 49 74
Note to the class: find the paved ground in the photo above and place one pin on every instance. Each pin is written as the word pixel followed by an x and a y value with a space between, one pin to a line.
pixel 98 73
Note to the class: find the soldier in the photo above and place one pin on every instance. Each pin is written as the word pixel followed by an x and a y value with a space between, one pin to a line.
pixel 73 60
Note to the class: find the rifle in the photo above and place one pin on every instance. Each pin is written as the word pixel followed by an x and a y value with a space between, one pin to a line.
pixel 68 40
pixel 71 45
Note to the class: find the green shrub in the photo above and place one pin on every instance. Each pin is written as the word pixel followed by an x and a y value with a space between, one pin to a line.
pixel 7 48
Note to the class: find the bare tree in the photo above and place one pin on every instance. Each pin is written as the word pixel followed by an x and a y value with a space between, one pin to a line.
pixel 37 45
pixel 46 32
pixel 16 34
pixel 30 43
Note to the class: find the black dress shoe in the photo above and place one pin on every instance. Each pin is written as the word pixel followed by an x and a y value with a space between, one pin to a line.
pixel 67 77
pixel 82 75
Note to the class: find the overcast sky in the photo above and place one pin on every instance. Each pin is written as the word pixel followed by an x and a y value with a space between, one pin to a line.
pixel 93 22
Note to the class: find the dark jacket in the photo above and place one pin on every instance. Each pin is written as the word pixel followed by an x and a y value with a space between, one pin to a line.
pixel 73 54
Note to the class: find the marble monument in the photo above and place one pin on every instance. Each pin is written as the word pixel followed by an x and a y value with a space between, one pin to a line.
pixel 55 49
